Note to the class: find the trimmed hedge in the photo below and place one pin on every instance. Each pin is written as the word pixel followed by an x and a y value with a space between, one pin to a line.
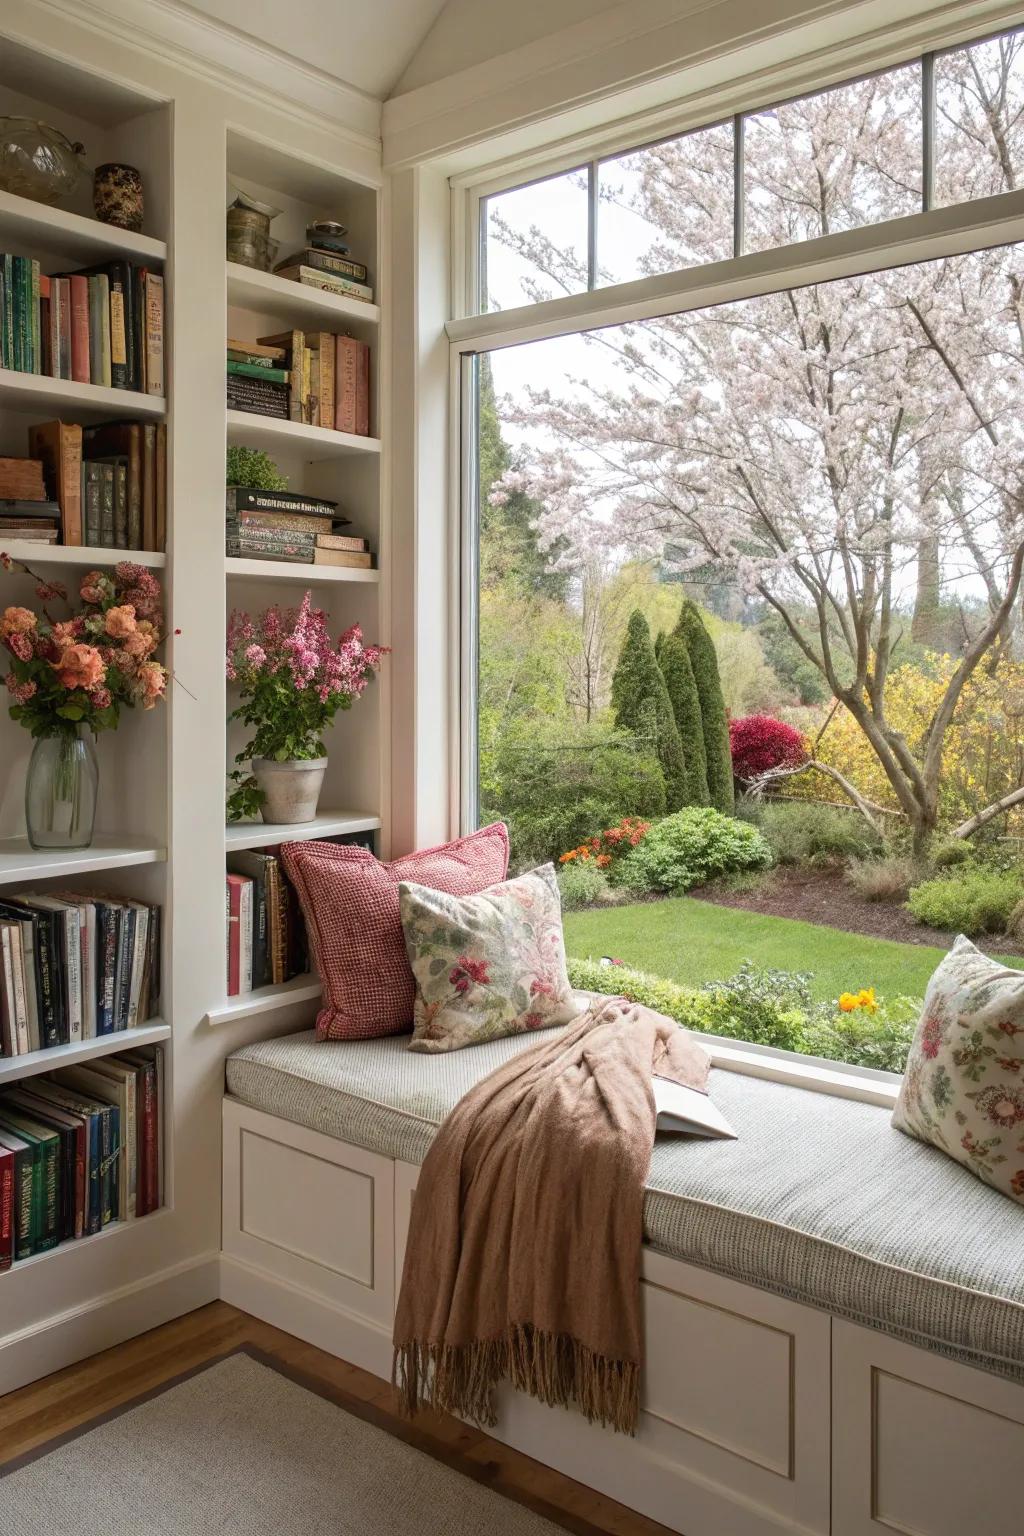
pixel 641 703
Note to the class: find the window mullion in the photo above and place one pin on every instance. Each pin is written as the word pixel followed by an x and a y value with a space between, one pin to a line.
pixel 593 171
pixel 738 190
pixel 927 132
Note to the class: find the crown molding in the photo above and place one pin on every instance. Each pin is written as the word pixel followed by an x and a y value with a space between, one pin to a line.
pixel 178 35
pixel 644 57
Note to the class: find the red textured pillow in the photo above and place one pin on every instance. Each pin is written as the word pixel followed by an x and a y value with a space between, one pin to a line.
pixel 350 903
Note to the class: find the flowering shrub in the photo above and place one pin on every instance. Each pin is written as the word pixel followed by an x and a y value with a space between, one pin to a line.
pixel 609 845
pixel 83 669
pixel 759 743
pixel 293 679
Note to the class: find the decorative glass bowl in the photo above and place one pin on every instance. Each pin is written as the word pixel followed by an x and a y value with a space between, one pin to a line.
pixel 38 161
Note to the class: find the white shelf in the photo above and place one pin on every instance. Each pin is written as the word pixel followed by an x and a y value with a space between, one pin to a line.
pixel 18 861
pixel 27 223
pixel 110 1230
pixel 301 989
pixel 31 553
pixel 14 1068
pixel 289 301
pixel 38 392
pixel 295 570
pixel 261 834
pixel 313 443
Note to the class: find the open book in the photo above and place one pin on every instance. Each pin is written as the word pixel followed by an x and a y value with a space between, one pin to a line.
pixel 688 1111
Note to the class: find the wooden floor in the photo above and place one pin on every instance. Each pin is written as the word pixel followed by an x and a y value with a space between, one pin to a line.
pixel 69 1398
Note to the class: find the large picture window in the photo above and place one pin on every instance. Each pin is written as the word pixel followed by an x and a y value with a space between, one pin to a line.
pixel 749 651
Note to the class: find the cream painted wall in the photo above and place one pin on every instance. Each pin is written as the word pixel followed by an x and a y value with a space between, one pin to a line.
pixel 469 31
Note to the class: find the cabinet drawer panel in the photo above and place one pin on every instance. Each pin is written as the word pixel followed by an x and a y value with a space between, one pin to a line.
pixel 318 1210
pixel 721 1376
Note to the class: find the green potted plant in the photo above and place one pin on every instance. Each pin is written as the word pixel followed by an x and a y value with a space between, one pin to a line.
pixel 254 470
pixel 293 678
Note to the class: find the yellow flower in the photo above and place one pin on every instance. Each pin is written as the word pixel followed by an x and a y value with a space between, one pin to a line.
pixel 866 999
pixel 848 1002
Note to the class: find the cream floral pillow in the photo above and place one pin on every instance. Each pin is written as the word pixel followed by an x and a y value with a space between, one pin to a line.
pixel 963 1089
pixel 486 965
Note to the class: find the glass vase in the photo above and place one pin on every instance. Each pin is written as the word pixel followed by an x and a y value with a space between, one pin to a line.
pixel 60 790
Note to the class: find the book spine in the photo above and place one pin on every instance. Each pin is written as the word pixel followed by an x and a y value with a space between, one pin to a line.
pixel 234 904
pixel 34 317
pixel 134 490
pixel 6 1208
pixel 91 496
pixel 257 371
pixel 154 334
pixel 81 362
pixel 118 329
pixel 7 311
pixel 24 1203
pixel 327 357
pixel 122 507
pixel 345 384
pixel 106 948
pixel 50 1195
pixel 48 997
pixel 108 1166
pixel 22 314
pixel 295 396
pixel 323 261
pixel 254 360
pixel 138 965
pixel 73 973
pixel 20 1001
pixel 96 375
pixel 161 486
pixel 53 328
pixel 245 935
pixel 125 951
pixel 94 1205
pixel 106 481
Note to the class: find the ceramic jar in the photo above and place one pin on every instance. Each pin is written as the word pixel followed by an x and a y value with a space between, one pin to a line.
pixel 117 196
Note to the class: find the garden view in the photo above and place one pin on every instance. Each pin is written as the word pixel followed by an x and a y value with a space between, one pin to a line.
pixel 751 636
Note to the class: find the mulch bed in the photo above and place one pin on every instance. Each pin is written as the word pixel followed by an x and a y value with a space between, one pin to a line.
pixel 823 896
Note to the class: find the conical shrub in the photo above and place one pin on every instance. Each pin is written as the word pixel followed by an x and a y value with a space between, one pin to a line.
pixel 642 706
pixel 714 720
pixel 674 661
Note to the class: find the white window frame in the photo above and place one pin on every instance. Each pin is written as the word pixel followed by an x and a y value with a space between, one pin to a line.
pixel 929 235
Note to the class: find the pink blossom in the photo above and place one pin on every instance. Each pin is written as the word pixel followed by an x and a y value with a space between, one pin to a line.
pixel 20 645
pixel 20 692
pixel 80 666
pixel 16 621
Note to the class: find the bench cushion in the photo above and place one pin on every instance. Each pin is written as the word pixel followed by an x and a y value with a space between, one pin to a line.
pixel 819 1199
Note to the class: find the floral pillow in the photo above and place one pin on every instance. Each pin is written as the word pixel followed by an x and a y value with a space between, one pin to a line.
pixel 486 965
pixel 963 1089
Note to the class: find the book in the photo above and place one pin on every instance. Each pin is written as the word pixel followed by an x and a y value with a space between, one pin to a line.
pixel 341 541
pixel 323 261
pixel 241 498
pixel 253 866
pixel 46 1154
pixel 161 486
pixel 22 479
pixel 330 282
pixel 58 445
pixel 58 1095
pixel 236 886
pixel 121 444
pixel 29 511
pixel 258 371
pixel 6 1207
pixel 293 344
pixel 81 360
pixel 347 558
pixel 120 329
pixel 23 1232
pixel 149 487
pixel 305 524
pixel 72 1133
pixel 322 346
pixel 352 386
pixel 99 329
pixel 688 1111
pixel 97 1088
pixel 273 354
pixel 154 345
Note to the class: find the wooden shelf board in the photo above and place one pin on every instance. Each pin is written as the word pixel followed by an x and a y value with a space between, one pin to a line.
pixel 288 301
pixel 20 862
pixel 38 392
pixel 78 554
pixel 293 570
pixel 313 443
pixel 14 1068
pixel 74 1244
pixel 28 223
pixel 301 989
pixel 261 834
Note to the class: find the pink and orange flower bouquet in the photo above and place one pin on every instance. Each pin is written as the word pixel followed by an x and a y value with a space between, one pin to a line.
pixel 82 670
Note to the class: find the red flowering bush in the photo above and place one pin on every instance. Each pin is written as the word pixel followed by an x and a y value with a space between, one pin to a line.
pixel 615 842
pixel 760 743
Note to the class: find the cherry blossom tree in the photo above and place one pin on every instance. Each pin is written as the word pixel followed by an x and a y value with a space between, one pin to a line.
pixel 829 445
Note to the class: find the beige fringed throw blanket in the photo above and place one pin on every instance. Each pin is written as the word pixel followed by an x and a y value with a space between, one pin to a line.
pixel 523 1260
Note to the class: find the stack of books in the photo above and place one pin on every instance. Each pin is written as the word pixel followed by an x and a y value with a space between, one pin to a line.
pixel 26 512
pixel 104 486
pixel 287 525
pixel 324 269
pixel 79 1149
pixel 257 378
pixel 74 967
pixel 314 377
pixel 103 325
pixel 266 937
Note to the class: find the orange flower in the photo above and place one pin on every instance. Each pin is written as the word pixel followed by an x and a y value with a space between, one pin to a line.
pixel 119 623
pixel 848 1002
pixel 80 666
pixel 154 681
pixel 16 621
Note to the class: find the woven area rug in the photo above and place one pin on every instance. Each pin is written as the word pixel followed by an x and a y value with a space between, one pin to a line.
pixel 238 1449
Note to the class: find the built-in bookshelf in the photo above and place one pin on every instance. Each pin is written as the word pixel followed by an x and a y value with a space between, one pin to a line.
pixel 161 833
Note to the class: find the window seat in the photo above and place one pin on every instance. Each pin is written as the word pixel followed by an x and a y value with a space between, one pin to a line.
pixel 819 1200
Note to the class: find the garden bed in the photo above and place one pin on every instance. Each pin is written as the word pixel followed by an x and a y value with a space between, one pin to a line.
pixel 823 897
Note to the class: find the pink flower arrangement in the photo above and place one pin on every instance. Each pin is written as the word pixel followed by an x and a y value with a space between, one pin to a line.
pixel 83 669
pixel 293 678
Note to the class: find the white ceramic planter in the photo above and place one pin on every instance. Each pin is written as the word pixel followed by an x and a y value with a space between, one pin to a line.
pixel 291 789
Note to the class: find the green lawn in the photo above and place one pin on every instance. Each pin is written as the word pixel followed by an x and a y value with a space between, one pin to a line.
pixel 695 941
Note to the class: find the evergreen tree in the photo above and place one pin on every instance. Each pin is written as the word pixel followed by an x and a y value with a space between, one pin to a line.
pixel 674 661
pixel 715 722
pixel 660 639
pixel 642 706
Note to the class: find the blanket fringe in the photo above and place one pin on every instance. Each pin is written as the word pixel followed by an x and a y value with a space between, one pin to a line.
pixel 555 1368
